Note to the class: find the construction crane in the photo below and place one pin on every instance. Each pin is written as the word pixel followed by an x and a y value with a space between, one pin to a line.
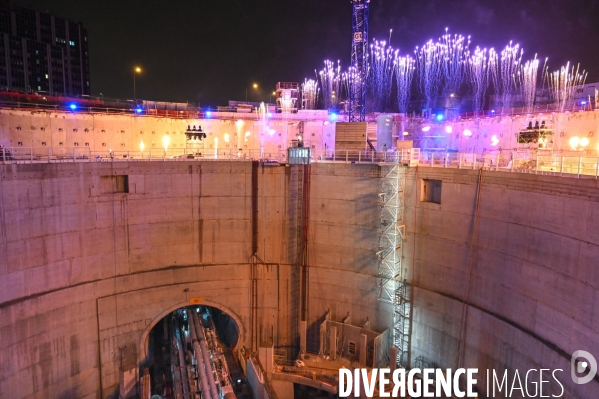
pixel 359 61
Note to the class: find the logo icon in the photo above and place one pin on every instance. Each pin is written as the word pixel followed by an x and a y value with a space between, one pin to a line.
pixel 581 366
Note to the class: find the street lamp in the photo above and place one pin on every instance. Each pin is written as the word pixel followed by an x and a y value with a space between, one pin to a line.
pixel 255 86
pixel 136 70
pixel 274 93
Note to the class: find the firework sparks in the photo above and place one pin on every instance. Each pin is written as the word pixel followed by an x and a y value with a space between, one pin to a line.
pixel 528 83
pixel 380 75
pixel 454 59
pixel 563 83
pixel 442 68
pixel 310 92
pixel 404 72
pixel 429 67
pixel 505 74
pixel 478 74
pixel 329 82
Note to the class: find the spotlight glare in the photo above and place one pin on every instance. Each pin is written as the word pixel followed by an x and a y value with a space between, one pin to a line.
pixel 426 128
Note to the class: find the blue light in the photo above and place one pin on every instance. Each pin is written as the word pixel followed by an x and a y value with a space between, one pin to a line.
pixel 270 114
pixel 493 111
pixel 138 110
pixel 583 103
pixel 333 116
pixel 439 117
pixel 73 106
pixel 208 114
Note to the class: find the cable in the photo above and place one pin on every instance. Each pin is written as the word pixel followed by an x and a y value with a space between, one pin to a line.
pixel 473 260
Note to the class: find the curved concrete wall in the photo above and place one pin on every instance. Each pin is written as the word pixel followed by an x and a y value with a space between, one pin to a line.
pixel 85 273
pixel 534 296
pixel 342 245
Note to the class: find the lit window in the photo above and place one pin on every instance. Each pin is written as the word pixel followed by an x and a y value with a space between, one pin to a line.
pixel 46 76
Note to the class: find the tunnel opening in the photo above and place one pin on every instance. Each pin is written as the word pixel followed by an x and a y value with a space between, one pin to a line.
pixel 191 354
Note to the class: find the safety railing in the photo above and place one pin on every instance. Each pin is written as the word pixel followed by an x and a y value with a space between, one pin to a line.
pixel 574 106
pixel 572 166
pixel 85 154
pixel 407 156
pixel 108 109
pixel 21 155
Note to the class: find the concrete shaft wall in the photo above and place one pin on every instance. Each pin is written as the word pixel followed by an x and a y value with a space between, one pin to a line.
pixel 85 272
pixel 534 290
pixel 342 245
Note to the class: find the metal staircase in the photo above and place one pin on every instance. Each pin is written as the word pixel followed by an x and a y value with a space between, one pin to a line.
pixel 392 285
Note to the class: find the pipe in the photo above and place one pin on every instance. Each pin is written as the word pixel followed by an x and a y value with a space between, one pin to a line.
pixel 182 365
pixel 205 354
pixel 198 354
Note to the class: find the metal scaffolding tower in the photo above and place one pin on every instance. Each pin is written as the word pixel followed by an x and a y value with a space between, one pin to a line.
pixel 359 61
pixel 392 284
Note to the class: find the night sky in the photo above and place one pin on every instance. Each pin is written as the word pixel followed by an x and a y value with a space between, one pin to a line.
pixel 210 51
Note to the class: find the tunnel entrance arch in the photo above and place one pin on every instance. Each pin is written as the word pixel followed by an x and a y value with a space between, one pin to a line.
pixel 145 337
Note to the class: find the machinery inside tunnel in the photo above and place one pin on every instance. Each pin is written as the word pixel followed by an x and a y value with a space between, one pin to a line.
pixel 191 354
